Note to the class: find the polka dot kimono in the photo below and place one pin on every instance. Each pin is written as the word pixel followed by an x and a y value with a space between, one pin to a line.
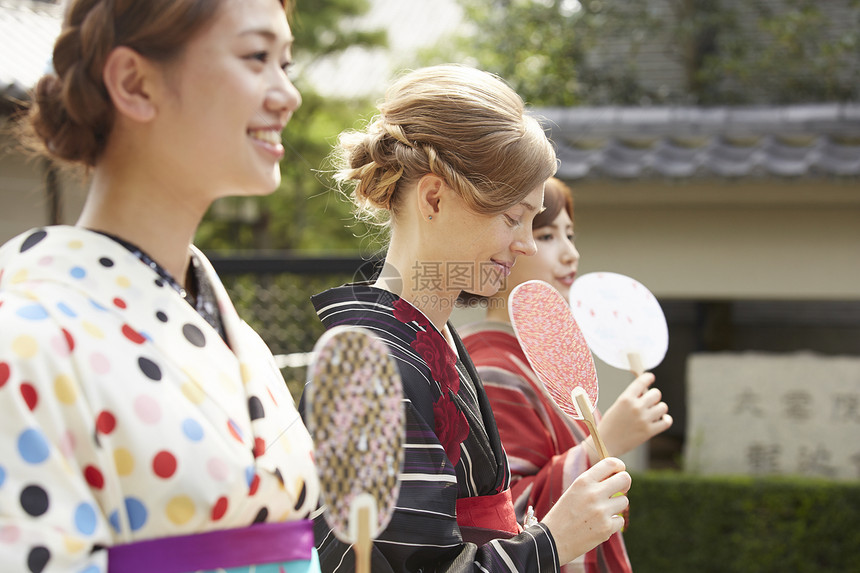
pixel 124 415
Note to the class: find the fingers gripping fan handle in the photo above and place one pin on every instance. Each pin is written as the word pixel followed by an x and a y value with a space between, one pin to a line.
pixel 553 344
pixel 355 415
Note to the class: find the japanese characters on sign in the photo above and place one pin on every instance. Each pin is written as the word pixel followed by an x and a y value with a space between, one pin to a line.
pixel 767 414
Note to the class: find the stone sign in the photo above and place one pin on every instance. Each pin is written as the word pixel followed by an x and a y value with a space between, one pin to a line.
pixel 773 414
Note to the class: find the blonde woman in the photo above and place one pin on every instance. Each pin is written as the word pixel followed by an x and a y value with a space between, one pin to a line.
pixel 456 168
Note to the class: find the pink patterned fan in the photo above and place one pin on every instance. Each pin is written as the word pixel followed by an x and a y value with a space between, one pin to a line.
pixel 621 320
pixel 354 405
pixel 556 350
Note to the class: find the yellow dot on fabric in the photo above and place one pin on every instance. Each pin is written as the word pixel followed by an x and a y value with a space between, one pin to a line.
pixel 124 461
pixel 73 544
pixel 228 384
pixel 92 329
pixel 246 372
pixel 286 443
pixel 75 244
pixel 25 346
pixel 180 509
pixel 19 277
pixel 193 392
pixel 65 390
pixel 123 282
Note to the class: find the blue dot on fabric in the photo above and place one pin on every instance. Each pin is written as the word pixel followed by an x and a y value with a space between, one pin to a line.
pixel 192 430
pixel 66 310
pixel 113 518
pixel 33 312
pixel 250 473
pixel 2 476
pixel 85 518
pixel 33 447
pixel 136 513
pixel 96 305
pixel 78 272
pixel 90 569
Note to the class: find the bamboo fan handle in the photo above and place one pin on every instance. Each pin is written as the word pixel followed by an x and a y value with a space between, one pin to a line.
pixel 636 365
pixel 362 516
pixel 581 399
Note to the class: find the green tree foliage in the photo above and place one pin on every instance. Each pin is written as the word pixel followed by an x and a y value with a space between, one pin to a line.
pixel 543 47
pixel 793 51
pixel 305 213
pixel 598 52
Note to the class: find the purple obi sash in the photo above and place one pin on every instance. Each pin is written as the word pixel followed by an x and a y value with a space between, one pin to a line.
pixel 254 545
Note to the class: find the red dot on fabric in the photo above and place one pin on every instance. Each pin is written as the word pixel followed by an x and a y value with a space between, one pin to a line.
pixel 94 477
pixel 259 447
pixel 272 396
pixel 69 339
pixel 119 303
pixel 31 397
pixel 164 464
pixel 4 373
pixel 132 334
pixel 255 484
pixel 106 422
pixel 220 508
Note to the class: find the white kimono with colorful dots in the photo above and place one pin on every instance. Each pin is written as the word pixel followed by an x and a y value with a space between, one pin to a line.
pixel 124 416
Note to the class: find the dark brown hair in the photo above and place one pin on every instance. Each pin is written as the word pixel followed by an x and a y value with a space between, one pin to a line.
pixel 556 195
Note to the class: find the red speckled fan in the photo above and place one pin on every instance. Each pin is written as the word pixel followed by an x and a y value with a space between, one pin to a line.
pixel 556 350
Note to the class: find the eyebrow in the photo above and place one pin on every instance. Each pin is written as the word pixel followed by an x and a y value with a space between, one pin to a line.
pixel 531 207
pixel 267 33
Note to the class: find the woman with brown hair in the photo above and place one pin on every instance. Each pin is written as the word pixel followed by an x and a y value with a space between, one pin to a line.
pixel 145 425
pixel 455 167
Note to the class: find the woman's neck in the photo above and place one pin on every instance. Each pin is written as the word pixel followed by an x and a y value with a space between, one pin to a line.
pixel 153 220
pixel 497 308
pixel 420 290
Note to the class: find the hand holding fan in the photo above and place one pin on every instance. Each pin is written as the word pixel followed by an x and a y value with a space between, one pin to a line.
pixel 621 320
pixel 557 351
pixel 355 416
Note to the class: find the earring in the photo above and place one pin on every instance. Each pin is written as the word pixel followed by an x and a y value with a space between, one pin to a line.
pixel 430 217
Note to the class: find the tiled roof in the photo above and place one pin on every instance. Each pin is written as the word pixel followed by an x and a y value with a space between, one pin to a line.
pixel 627 143
pixel 27 32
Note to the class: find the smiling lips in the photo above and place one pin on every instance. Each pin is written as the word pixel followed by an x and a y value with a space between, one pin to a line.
pixel 270 137
pixel 504 268
pixel 567 280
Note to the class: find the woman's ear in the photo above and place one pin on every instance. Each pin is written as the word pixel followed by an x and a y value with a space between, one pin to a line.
pixel 430 189
pixel 129 78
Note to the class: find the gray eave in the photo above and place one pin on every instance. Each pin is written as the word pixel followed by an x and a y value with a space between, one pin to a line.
pixel 629 143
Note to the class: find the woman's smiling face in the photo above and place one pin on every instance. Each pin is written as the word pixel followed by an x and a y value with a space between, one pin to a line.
pixel 232 98
pixel 556 259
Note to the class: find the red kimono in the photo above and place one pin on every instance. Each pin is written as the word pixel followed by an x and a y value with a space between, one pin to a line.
pixel 543 445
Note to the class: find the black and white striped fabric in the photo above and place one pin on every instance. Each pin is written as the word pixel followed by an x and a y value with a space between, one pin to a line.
pixel 423 534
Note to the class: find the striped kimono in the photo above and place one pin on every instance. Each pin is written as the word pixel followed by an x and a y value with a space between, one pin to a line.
pixel 452 450
pixel 543 444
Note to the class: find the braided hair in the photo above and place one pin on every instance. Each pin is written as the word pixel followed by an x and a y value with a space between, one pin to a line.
pixel 466 126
